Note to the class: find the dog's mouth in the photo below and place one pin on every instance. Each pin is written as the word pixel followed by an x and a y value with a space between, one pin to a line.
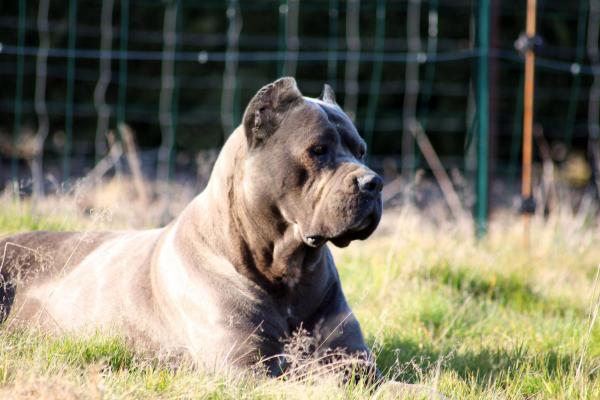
pixel 358 231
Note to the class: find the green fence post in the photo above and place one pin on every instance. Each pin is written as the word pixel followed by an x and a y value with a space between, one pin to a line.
pixel 229 109
pixel 425 94
pixel 376 75
pixel 123 42
pixel 175 99
pixel 104 78
pixel 18 90
pixel 281 42
pixel 575 71
pixel 482 111
pixel 70 90
pixel 333 43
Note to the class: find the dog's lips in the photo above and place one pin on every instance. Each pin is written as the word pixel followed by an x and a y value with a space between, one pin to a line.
pixel 314 240
pixel 362 224
pixel 345 238
pixel 341 239
pixel 360 229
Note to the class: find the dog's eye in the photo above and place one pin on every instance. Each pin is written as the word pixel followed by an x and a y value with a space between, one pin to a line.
pixel 361 153
pixel 319 150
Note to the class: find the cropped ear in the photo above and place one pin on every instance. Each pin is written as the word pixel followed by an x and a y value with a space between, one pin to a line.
pixel 267 108
pixel 327 95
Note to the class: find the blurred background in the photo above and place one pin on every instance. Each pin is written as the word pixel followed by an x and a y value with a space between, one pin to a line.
pixel 436 87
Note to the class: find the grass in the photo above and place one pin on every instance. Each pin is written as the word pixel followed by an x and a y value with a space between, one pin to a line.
pixel 488 319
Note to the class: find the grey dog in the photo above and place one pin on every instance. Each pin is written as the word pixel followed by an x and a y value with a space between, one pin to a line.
pixel 243 267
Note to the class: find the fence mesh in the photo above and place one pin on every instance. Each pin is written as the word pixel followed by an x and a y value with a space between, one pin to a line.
pixel 180 73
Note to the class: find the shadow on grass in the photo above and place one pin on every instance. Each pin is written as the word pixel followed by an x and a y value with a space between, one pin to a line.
pixel 407 361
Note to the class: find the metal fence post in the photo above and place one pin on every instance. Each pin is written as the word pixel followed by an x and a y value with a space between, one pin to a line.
pixel 528 204
pixel 167 92
pixel 18 90
pixel 104 77
pixel 123 43
pixel 70 90
pixel 481 215
pixel 332 47
pixel 379 48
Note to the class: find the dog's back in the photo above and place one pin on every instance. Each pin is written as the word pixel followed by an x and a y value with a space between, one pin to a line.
pixel 28 258
pixel 35 271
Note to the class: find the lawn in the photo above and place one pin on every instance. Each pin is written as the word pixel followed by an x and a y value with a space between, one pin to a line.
pixel 489 319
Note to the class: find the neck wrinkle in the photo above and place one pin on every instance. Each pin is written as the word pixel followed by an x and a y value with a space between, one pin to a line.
pixel 257 239
pixel 267 253
pixel 241 238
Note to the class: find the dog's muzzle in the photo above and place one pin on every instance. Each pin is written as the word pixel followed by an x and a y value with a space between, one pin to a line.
pixel 368 213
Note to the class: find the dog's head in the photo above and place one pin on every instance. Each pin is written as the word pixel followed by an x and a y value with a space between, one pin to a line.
pixel 306 162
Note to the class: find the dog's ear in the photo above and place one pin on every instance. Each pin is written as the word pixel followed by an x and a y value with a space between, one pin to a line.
pixel 266 109
pixel 327 95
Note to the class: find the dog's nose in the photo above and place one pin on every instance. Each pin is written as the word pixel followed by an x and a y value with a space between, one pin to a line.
pixel 370 183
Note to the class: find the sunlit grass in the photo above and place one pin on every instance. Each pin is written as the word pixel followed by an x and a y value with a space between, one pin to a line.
pixel 490 319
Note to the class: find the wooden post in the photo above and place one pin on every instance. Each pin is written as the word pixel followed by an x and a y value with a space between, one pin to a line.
pixel 528 117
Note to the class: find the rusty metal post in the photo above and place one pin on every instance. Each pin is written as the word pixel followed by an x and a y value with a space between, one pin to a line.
pixel 526 187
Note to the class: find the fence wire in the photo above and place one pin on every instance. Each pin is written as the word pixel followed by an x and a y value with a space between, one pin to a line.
pixel 180 72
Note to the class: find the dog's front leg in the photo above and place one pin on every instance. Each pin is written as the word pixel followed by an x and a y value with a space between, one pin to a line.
pixel 339 342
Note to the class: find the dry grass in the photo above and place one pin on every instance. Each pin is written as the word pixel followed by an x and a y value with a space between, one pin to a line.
pixel 114 204
pixel 489 319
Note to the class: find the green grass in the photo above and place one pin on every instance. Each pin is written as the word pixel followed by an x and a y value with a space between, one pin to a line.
pixel 476 320
pixel 22 217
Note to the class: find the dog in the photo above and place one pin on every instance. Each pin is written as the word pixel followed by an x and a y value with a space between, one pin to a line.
pixel 243 267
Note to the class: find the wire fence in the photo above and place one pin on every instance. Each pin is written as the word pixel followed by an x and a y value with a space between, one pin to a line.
pixel 180 73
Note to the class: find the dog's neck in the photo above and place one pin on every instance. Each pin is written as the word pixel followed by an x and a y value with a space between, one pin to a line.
pixel 263 246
